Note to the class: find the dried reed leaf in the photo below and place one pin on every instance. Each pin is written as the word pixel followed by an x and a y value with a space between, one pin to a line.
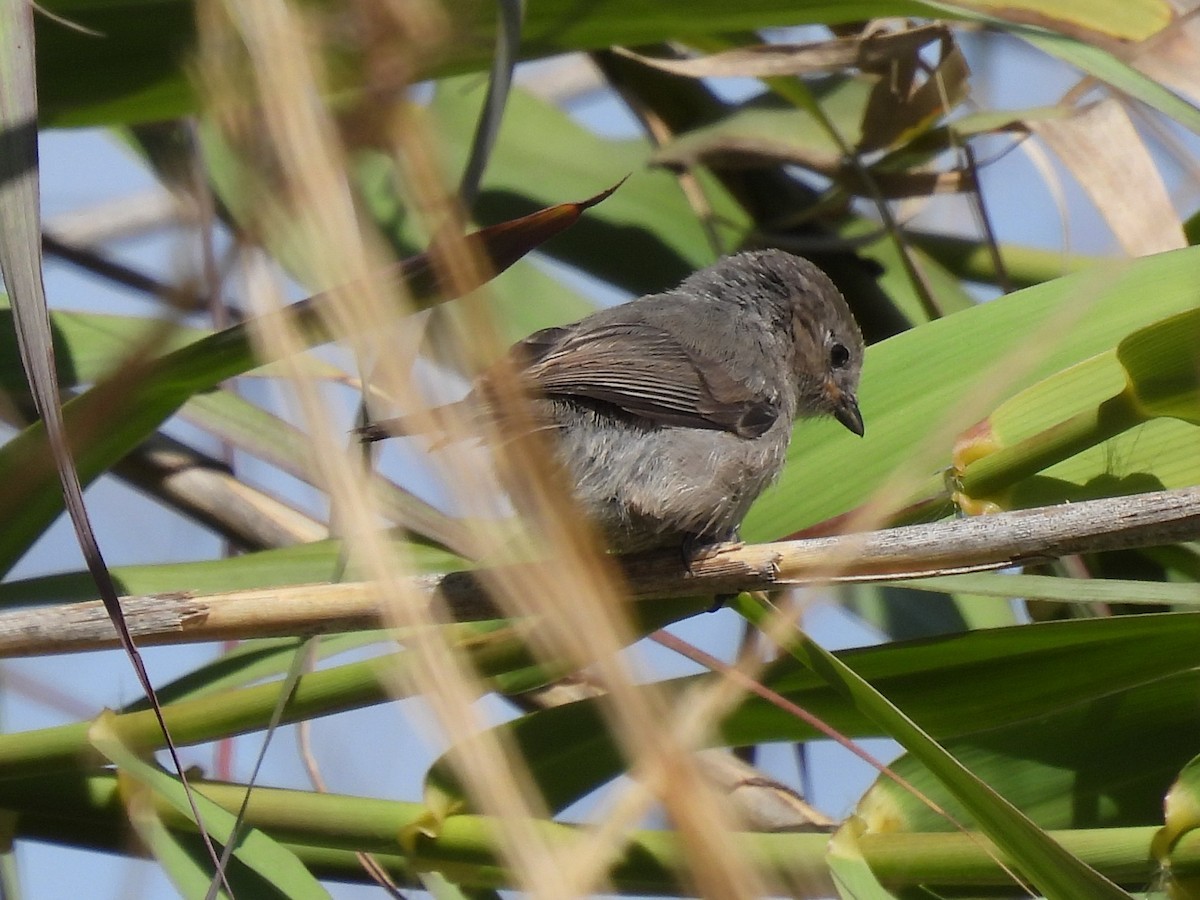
pixel 1170 56
pixel 870 51
pixel 1109 159
pixel 731 151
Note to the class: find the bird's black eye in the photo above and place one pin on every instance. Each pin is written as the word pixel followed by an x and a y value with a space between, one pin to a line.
pixel 839 356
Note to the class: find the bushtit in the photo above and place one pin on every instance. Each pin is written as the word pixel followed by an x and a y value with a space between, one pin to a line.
pixel 673 412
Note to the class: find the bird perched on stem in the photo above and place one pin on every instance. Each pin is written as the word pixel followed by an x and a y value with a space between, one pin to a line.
pixel 673 412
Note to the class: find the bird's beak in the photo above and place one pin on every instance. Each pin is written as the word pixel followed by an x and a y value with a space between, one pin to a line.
pixel 845 407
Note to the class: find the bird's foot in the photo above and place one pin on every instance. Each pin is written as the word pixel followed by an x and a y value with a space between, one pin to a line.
pixel 697 547
pixel 719 601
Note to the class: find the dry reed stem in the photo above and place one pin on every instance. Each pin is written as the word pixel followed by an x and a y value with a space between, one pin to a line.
pixel 207 491
pixel 121 218
pixel 590 630
pixel 914 551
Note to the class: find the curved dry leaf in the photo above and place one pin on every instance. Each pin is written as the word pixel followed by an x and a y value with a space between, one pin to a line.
pixel 1170 56
pixel 743 152
pixel 900 105
pixel 871 51
pixel 1110 161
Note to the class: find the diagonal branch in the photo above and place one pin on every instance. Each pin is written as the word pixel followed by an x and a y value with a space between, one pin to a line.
pixel 914 551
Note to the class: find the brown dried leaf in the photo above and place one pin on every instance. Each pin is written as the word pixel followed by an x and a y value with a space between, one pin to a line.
pixel 501 244
pixel 897 111
pixel 869 52
pixel 738 152
pixel 1170 56
pixel 1108 158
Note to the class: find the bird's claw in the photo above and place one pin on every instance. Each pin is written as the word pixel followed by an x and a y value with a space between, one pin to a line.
pixel 698 547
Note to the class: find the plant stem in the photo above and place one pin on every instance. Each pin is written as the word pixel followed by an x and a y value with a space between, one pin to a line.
pixel 325 830
pixel 991 475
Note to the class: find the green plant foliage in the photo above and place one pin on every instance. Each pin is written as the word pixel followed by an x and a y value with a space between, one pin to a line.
pixel 951 686
pixel 1055 744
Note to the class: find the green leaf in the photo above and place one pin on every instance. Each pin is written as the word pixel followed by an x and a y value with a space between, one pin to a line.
pixel 134 62
pixel 1051 868
pixel 1134 21
pixel 1151 373
pixel 971 259
pixel 645 237
pixel 770 126
pixel 262 659
pixel 251 428
pixel 1181 808
pixel 1104 65
pixel 552 26
pixel 1065 590
pixel 951 686
pixel 130 68
pixel 230 712
pixel 301 564
pixel 201 713
pixel 87 346
pixel 1162 363
pixel 186 872
pixel 945 286
pixel 852 874
pixel 1105 763
pixel 902 610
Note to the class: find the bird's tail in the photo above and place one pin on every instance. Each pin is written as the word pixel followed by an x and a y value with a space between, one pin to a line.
pixel 383 429
pixel 434 421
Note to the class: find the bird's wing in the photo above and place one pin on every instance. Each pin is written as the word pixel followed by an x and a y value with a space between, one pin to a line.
pixel 645 371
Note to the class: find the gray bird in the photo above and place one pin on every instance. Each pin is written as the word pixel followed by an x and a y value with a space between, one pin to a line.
pixel 673 412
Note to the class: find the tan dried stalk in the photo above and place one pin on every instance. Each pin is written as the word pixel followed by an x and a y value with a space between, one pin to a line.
pixel 309 201
pixel 312 201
